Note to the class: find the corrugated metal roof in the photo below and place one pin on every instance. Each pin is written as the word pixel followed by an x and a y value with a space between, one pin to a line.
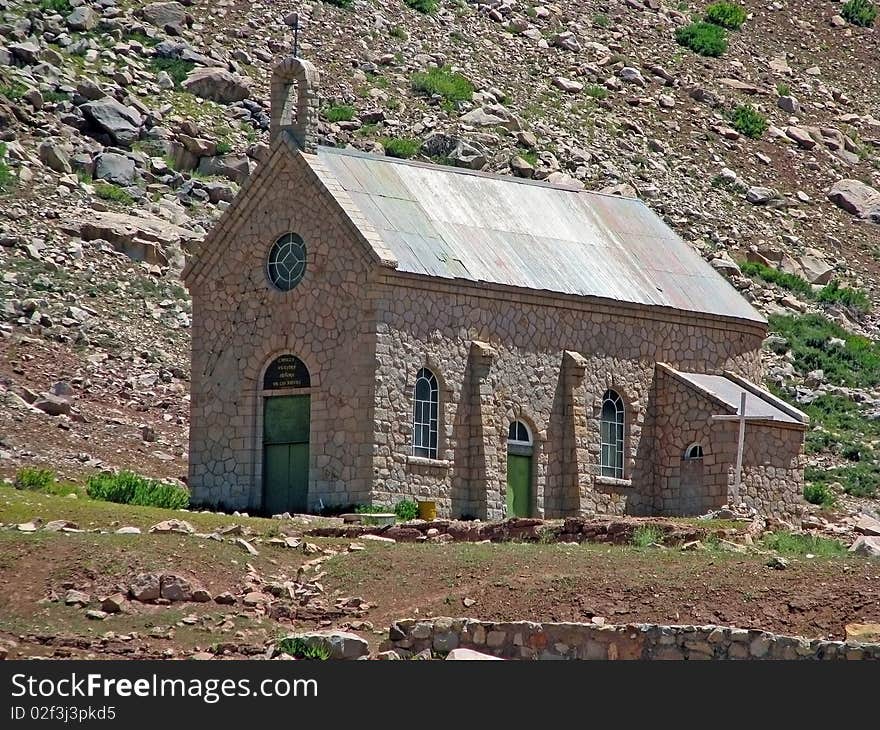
pixel 454 224
pixel 730 393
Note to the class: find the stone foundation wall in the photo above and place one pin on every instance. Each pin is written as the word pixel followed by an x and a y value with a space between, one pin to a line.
pixel 526 640
pixel 504 357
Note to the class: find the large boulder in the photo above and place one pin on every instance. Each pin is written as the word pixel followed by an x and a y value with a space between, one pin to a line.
pixel 857 198
pixel 122 123
pixel 868 546
pixel 233 167
pixel 115 168
pixel 493 115
pixel 54 155
pixel 54 405
pixel 170 16
pixel 175 588
pixel 82 18
pixel 216 84
pixel 141 237
pixel 144 587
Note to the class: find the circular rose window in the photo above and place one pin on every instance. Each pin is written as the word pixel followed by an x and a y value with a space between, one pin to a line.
pixel 287 262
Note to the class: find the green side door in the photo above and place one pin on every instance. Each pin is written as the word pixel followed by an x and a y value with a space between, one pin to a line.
pixel 519 485
pixel 286 454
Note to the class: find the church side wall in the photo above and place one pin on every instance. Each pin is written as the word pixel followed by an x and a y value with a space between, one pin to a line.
pixel 526 379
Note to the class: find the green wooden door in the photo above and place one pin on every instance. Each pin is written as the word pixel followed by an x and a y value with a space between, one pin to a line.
pixel 519 485
pixel 286 454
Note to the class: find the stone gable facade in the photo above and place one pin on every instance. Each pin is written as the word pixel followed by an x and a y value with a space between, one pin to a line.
pixel 365 331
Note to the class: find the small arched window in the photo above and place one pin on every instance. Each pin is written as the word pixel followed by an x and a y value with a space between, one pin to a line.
pixel 694 452
pixel 611 435
pixel 519 434
pixel 425 413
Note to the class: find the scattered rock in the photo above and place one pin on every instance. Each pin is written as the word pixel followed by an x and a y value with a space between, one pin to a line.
pixel 175 588
pixel 246 546
pixel 115 168
pixel 53 405
pixel 857 198
pixel 181 527
pixel 470 655
pixel 77 598
pixel 145 587
pixel 96 615
pixel 863 633
pixel 216 84
pixel 864 545
pixel 128 531
pixel 122 123
pixel 113 603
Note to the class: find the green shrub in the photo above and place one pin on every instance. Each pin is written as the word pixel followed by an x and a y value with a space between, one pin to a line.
pixel 7 179
pixel 340 3
pixel 451 86
pixel 53 97
pixel 399 32
pixel 856 363
pixel 62 7
pixel 783 89
pixel 853 299
pixel 791 543
pixel 858 480
pixel 820 494
pixel 224 147
pixel 129 488
pixel 402 147
pixel 596 92
pixel 339 113
pixel 406 510
pixel 34 479
pixel 749 121
pixel 860 12
pixel 423 6
pixel 601 20
pixel 727 15
pixel 703 38
pixel 13 92
pixel 176 68
pixel 109 191
pixel 301 649
pixel 791 282
pixel 647 535
pixel 370 509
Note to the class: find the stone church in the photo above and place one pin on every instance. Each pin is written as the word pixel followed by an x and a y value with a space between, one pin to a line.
pixel 367 329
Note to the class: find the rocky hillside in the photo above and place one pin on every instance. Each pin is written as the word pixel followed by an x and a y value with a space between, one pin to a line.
pixel 128 127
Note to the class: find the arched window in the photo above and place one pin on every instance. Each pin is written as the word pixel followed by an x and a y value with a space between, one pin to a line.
pixel 519 434
pixel 425 410
pixel 694 452
pixel 611 435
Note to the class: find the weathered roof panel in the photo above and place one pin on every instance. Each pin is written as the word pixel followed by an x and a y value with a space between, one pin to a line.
pixel 450 223
pixel 730 393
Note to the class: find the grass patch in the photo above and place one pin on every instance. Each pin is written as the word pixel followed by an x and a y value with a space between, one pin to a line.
pixel 853 299
pixel 7 179
pixel 703 38
pixel 34 479
pixel 142 38
pixel 339 113
pixel 597 92
pixel 859 12
pixel 301 649
pixel 859 480
pixel 340 3
pixel 726 14
pixel 600 20
pixel 790 543
pixel 406 510
pixel 53 97
pixel 62 7
pixel 176 68
pixel 856 363
pixel 423 6
pixel 783 89
pixel 399 32
pixel 224 147
pixel 820 494
pixel 13 92
pixel 129 488
pixel 109 191
pixel 749 121
pixel 453 87
pixel 791 282
pixel 401 147
pixel 647 535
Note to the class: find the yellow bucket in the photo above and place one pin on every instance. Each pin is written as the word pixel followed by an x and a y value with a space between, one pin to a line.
pixel 427 510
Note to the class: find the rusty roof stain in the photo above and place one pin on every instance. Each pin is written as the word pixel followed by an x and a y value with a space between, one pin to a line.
pixel 448 223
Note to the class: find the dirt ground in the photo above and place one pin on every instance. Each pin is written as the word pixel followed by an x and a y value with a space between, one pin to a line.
pixel 813 597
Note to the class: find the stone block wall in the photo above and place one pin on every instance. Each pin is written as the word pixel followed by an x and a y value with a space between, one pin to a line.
pixel 552 361
pixel 241 323
pixel 773 461
pixel 527 640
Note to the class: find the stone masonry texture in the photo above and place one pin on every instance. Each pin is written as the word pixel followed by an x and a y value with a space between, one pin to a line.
pixel 527 640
